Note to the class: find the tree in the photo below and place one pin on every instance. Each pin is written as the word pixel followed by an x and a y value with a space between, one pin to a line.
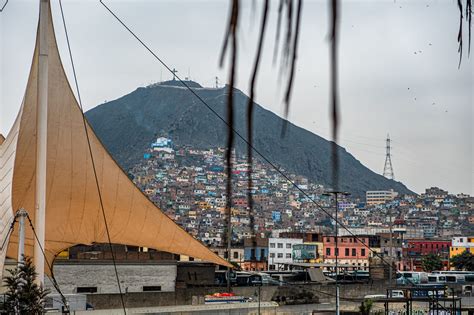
pixel 463 261
pixel 24 296
pixel 366 306
pixel 431 262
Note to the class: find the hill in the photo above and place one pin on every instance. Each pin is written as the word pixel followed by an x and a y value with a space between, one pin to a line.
pixel 129 124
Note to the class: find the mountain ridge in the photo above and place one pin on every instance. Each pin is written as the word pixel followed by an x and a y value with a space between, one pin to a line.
pixel 128 125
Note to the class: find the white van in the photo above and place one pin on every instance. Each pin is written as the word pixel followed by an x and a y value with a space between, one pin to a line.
pixel 395 294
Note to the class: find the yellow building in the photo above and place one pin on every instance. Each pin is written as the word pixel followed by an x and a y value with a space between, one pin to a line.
pixel 377 197
pixel 320 249
pixel 461 244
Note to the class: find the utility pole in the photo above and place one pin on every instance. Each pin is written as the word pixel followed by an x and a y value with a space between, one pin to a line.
pixel 229 241
pixel 336 252
pixel 390 275
pixel 41 140
pixel 337 255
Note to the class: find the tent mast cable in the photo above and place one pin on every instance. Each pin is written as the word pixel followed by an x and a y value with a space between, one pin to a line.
pixel 93 161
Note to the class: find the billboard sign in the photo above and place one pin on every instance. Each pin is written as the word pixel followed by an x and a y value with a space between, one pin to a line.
pixel 305 251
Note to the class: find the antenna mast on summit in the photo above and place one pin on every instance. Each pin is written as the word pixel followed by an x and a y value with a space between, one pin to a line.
pixel 217 82
pixel 174 73
pixel 388 168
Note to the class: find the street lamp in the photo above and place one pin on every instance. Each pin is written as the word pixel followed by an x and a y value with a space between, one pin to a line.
pixel 336 252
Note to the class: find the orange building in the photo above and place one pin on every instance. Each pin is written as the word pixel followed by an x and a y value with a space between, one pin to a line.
pixel 350 251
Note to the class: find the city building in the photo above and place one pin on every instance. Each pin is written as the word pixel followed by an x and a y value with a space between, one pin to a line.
pixel 237 255
pixel 461 244
pixel 415 250
pixel 255 254
pixel 280 252
pixel 377 197
pixel 350 251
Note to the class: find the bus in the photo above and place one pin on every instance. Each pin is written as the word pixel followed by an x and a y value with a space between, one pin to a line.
pixel 411 277
pixel 451 277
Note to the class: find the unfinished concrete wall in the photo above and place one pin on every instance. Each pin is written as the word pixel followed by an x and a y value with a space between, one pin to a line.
pixel 133 277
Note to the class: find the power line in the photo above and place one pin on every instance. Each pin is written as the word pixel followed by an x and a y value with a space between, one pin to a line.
pixel 92 160
pixel 4 5
pixel 238 134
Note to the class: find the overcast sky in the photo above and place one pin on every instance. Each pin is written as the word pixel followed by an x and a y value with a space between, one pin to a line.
pixel 398 71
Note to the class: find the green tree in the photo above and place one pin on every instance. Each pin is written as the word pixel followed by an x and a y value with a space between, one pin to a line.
pixel 463 261
pixel 431 262
pixel 23 295
pixel 366 306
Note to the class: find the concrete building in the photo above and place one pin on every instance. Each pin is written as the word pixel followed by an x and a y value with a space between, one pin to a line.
pixel 280 252
pixel 417 249
pixel 237 254
pixel 309 238
pixel 98 276
pixel 255 254
pixel 349 252
pixel 376 197
pixel 461 244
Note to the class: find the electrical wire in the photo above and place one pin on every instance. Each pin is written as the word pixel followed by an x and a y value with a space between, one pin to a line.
pixel 92 160
pixel 4 5
pixel 239 135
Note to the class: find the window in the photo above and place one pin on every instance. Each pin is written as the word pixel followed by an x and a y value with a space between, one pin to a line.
pixel 288 255
pixel 328 252
pixel 86 290
pixel 236 255
pixel 346 252
pixel 337 251
pixel 272 245
pixel 288 245
pixel 354 252
pixel 272 255
pixel 280 255
pixel 328 239
pixel 148 288
pixel 271 267
pixel 280 245
pixel 362 251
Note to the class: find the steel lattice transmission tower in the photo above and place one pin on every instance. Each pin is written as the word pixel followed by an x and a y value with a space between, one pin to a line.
pixel 388 168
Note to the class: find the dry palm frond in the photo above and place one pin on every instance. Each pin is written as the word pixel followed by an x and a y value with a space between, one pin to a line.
pixel 250 107
pixel 230 39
